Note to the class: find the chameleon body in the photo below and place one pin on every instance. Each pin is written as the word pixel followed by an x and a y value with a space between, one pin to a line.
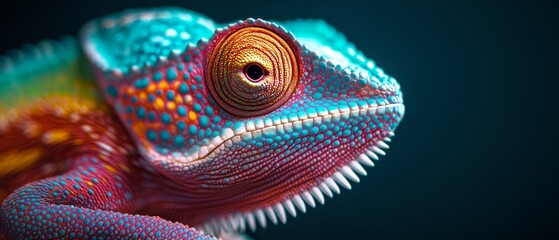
pixel 159 123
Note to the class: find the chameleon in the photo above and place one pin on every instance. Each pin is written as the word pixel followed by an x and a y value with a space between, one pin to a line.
pixel 162 124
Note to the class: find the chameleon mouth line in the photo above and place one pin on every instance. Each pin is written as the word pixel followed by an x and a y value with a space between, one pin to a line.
pixel 328 185
pixel 251 129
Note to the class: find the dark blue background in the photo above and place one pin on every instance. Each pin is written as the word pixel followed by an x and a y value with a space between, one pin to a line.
pixel 476 154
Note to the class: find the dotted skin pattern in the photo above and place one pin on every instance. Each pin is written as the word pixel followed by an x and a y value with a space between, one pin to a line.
pixel 150 149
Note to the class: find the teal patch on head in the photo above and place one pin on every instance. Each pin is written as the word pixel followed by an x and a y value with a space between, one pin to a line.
pixel 217 119
pixel 178 141
pixel 204 121
pixel 141 83
pixel 181 110
pixel 197 107
pixel 165 135
pixel 209 110
pixel 111 90
pixel 181 125
pixel 171 74
pixel 151 115
pixel 183 88
pixel 157 76
pixel 151 135
pixel 326 41
pixel 166 118
pixel 170 95
pixel 192 129
pixel 147 39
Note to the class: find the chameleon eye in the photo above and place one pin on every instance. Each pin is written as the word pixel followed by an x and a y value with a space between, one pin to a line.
pixel 251 71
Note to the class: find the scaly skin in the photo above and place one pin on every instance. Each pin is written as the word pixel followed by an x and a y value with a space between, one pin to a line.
pixel 258 120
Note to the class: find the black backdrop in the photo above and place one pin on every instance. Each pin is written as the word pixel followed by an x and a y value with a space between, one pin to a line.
pixel 476 153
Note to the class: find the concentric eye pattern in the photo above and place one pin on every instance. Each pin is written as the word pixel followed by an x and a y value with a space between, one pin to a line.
pixel 251 72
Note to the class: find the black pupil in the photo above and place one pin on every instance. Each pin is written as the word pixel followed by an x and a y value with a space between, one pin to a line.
pixel 254 72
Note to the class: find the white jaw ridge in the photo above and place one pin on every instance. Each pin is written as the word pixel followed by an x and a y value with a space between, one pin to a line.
pixel 258 127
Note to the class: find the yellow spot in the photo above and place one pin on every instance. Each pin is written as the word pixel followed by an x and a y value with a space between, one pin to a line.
pixel 56 136
pixel 192 116
pixel 171 105
pixel 178 99
pixel 159 104
pixel 163 85
pixel 15 160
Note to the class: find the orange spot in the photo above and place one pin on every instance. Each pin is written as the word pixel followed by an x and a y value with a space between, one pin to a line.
pixel 178 99
pixel 139 128
pixel 15 161
pixel 143 96
pixel 163 85
pixel 151 87
pixel 56 136
pixel 192 116
pixel 89 183
pixel 110 168
pixel 159 104
pixel 130 91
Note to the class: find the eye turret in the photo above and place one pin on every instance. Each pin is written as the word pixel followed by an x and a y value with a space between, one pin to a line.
pixel 251 71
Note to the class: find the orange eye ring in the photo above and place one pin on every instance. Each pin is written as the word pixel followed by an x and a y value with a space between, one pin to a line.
pixel 251 71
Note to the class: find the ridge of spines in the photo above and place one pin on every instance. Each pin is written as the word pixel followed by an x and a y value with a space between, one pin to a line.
pixel 30 58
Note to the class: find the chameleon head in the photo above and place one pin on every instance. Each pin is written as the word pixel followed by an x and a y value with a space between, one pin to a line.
pixel 256 122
